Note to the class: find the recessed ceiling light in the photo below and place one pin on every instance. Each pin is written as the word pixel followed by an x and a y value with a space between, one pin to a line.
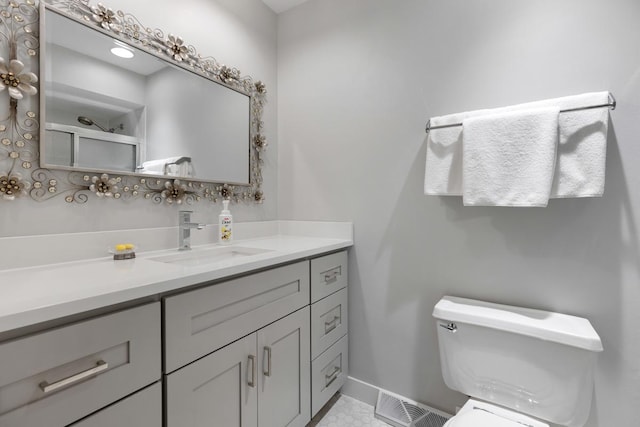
pixel 122 50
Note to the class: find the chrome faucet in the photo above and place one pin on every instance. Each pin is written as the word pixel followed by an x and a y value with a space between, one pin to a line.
pixel 184 231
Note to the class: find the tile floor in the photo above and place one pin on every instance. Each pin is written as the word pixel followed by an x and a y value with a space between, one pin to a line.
pixel 347 412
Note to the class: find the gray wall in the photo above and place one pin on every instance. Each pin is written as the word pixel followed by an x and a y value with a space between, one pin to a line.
pixel 239 33
pixel 357 81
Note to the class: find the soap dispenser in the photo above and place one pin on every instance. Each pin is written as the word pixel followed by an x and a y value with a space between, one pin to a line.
pixel 225 225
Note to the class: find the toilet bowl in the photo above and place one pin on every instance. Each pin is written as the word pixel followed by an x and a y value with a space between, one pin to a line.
pixel 519 366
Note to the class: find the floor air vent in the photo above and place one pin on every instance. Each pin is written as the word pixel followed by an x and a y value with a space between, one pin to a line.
pixel 400 412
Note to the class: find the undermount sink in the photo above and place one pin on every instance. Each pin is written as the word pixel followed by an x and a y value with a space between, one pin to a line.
pixel 197 257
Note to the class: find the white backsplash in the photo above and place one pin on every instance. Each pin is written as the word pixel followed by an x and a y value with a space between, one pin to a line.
pixel 29 251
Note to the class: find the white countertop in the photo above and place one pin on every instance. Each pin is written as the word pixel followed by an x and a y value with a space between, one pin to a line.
pixel 39 294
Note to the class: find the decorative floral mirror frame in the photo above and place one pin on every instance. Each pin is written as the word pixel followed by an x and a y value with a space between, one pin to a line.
pixel 20 175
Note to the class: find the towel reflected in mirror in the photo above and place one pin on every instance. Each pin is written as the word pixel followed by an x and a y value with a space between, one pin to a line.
pixel 180 166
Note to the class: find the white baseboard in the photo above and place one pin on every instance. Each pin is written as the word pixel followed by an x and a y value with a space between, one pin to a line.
pixel 360 390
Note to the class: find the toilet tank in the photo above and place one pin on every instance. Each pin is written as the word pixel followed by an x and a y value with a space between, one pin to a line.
pixel 536 362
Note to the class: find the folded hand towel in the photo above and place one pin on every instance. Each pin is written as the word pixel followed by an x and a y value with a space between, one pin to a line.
pixel 509 158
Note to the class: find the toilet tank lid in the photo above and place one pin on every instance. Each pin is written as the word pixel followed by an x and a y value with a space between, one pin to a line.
pixel 561 328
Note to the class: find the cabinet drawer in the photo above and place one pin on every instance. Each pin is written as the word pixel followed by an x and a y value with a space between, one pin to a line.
pixel 328 373
pixel 204 320
pixel 329 321
pixel 143 409
pixel 328 274
pixel 59 376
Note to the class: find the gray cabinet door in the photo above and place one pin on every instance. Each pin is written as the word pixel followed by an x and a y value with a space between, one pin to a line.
pixel 217 390
pixel 143 409
pixel 206 319
pixel 283 351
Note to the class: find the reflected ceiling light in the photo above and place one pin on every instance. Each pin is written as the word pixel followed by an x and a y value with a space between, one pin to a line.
pixel 122 50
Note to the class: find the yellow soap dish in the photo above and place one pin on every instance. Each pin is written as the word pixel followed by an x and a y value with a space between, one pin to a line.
pixel 124 251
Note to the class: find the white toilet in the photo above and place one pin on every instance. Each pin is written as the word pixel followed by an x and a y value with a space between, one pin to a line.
pixel 519 366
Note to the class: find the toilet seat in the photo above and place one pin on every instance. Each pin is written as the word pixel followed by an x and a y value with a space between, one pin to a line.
pixel 480 418
pixel 475 413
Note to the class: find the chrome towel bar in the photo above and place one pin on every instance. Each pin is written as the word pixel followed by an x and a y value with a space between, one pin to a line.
pixel 611 104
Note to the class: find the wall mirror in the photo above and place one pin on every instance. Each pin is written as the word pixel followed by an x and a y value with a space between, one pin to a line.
pixel 131 111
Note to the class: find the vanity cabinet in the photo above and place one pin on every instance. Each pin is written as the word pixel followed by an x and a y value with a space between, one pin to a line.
pixel 266 349
pixel 261 380
pixel 57 377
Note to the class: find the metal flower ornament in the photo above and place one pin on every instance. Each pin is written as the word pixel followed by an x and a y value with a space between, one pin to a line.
pixel 260 141
pixel 103 186
pixel 174 192
pixel 19 127
pixel 176 48
pixel 15 81
pixel 106 17
pixel 13 186
pixel 261 88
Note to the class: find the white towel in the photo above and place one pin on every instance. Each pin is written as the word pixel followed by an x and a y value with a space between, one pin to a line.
pixel 159 166
pixel 183 169
pixel 509 158
pixel 582 146
pixel 443 169
pixel 581 156
pixel 582 149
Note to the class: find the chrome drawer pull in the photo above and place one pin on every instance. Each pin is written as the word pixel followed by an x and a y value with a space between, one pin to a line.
pixel 101 365
pixel 267 373
pixel 331 276
pixel 329 378
pixel 252 359
pixel 331 325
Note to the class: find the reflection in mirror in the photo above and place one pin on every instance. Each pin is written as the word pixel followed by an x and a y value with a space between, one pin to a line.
pixel 114 108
